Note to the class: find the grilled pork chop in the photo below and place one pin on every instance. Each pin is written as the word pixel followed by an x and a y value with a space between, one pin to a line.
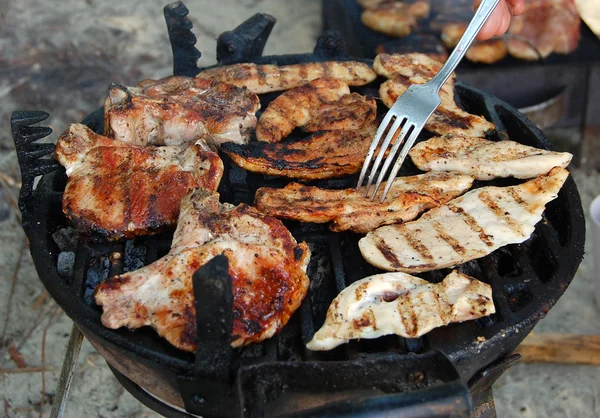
pixel 321 105
pixel 176 110
pixel 397 303
pixel 266 265
pixel 485 159
pixel 351 210
pixel 268 78
pixel 549 25
pixel 405 70
pixel 466 228
pixel 395 18
pixel 319 156
pixel 122 190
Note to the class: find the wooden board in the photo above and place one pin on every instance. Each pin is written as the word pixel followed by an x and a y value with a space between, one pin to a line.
pixel 560 348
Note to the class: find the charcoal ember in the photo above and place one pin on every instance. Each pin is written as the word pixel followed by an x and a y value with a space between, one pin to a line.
pixel 97 273
pixel 135 256
pixel 66 239
pixel 65 263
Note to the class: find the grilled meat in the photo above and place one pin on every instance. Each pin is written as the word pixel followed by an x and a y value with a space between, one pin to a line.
pixel 485 52
pixel 425 44
pixel 395 18
pixel 268 78
pixel 485 160
pixel 319 156
pixel 266 265
pixel 548 25
pixel 322 104
pixel 408 69
pixel 466 228
pixel 351 210
pixel 397 303
pixel 176 110
pixel 122 190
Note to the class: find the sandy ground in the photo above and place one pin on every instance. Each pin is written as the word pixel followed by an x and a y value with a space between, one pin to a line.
pixel 60 57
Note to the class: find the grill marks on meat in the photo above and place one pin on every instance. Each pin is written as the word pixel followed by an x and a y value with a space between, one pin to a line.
pixel 269 78
pixel 466 228
pixel 120 190
pixel 485 159
pixel 397 303
pixel 319 156
pixel 266 265
pixel 405 70
pixel 321 105
pixel 549 25
pixel 392 17
pixel 351 210
pixel 176 110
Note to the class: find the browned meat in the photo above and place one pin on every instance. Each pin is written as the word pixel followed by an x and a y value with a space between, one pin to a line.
pixel 268 78
pixel 485 52
pixel 122 190
pixel 405 70
pixel 351 210
pixel 319 156
pixel 395 18
pixel 428 45
pixel 322 104
pixel 266 265
pixel 176 110
pixel 548 25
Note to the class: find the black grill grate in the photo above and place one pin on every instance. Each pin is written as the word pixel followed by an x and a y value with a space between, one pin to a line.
pixel 526 279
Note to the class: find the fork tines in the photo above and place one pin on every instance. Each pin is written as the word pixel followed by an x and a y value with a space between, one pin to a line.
pixel 396 128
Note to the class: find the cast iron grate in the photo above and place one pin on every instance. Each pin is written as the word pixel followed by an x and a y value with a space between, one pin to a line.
pixel 526 279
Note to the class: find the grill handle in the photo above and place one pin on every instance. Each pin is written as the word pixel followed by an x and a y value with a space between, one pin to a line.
pixel 29 154
pixel 412 386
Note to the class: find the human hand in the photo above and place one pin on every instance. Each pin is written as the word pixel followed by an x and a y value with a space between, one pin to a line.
pixel 498 22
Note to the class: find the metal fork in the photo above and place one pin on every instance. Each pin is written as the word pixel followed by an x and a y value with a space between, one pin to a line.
pixel 413 108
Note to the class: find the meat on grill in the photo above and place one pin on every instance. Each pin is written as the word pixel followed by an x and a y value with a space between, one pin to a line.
pixel 486 52
pixel 268 78
pixel 466 228
pixel 122 190
pixel 394 18
pixel 322 155
pixel 266 265
pixel 485 160
pixel 425 44
pixel 548 25
pixel 322 104
pixel 351 210
pixel 397 303
pixel 176 110
pixel 405 70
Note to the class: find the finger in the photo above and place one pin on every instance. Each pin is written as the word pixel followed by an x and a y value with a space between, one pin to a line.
pixel 517 6
pixel 504 25
pixel 491 27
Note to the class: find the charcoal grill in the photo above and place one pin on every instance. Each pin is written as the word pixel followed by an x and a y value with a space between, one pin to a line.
pixel 448 372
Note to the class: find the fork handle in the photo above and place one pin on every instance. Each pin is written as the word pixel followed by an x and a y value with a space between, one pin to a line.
pixel 484 11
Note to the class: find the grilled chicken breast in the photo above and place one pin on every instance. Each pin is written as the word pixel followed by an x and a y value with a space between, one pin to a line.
pixel 322 104
pixel 485 160
pixel 266 265
pixel 122 190
pixel 405 70
pixel 268 78
pixel 397 303
pixel 176 110
pixel 466 228
pixel 351 210
pixel 395 18
pixel 322 155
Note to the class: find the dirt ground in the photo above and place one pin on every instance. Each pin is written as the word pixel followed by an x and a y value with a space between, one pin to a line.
pixel 60 57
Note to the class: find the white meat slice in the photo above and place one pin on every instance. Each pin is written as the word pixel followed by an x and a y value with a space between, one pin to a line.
pixel 397 303
pixel 485 160
pixel 466 228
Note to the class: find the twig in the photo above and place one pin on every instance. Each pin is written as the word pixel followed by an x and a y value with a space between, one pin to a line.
pixel 52 309
pixel 22 370
pixel 10 181
pixel 12 290
pixel 10 198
